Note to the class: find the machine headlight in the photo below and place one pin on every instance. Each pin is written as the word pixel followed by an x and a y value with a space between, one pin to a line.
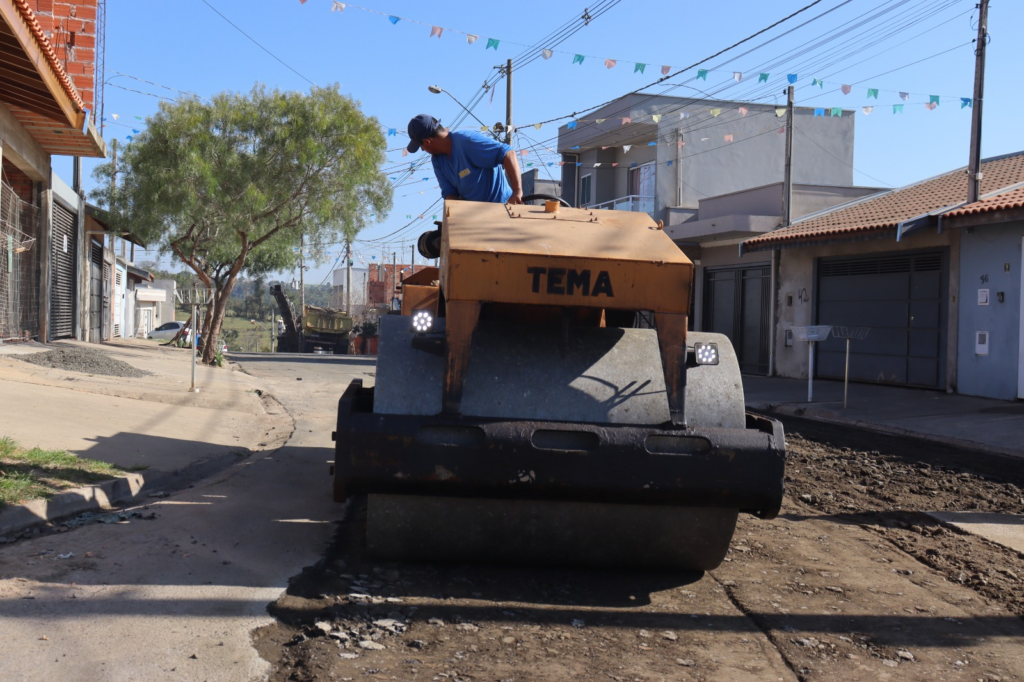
pixel 422 321
pixel 706 353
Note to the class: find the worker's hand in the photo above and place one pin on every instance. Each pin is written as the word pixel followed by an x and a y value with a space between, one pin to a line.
pixel 516 198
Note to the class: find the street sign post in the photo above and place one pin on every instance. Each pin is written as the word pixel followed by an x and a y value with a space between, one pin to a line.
pixel 848 333
pixel 195 297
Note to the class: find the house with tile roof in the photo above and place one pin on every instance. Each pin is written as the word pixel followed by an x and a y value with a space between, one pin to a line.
pixel 937 282
pixel 47 102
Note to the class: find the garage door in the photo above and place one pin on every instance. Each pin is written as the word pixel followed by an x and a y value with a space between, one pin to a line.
pixel 900 297
pixel 62 294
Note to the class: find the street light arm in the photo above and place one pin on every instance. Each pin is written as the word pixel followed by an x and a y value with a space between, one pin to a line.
pixel 436 89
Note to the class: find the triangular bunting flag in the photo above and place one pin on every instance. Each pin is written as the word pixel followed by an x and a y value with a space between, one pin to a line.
pixel 615 164
pixel 817 81
pixel 546 53
pixel 626 119
pixel 597 165
pixel 338 7
pixel 684 114
pixel 639 67
pixel 931 106
pixel 846 89
pixel 654 117
pixel 791 78
pixel 483 129
pixel 652 144
pixel 394 20
pixel 435 31
pixel 702 74
pixel 904 96
pixel 600 120
pixel 578 164
pixel 966 102
pixel 610 63
pixel 762 78
pixel 668 163
pixel 492 42
pixel 679 145
pixel 819 112
pixel 933 99
pixel 715 112
pixel 781 130
pixel 727 138
pixel 538 126
pixel 743 111
pixel 392 132
pixel 780 112
pixel 872 92
pixel 405 152
pixel 571 125
pixel 737 76
pixel 524 152
pixel 867 110
pixel 665 70
pixel 626 147
pixel 470 39
pixel 897 108
pixel 578 59
pixel 836 111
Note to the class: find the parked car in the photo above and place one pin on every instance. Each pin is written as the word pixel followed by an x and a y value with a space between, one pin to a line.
pixel 166 331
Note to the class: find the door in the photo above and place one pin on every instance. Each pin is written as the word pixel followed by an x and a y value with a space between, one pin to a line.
pixel 900 298
pixel 146 323
pixel 737 304
pixel 62 265
pixel 96 294
pixel 118 303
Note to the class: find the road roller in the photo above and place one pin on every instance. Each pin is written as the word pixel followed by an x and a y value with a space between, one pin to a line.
pixel 540 400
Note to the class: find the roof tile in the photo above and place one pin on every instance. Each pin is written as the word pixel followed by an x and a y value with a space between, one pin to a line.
pixel 1013 198
pixel 886 210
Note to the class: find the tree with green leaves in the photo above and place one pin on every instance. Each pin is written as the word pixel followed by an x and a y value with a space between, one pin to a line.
pixel 234 183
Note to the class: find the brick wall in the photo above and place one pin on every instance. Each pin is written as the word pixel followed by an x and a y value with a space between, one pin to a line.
pixel 18 181
pixel 71 27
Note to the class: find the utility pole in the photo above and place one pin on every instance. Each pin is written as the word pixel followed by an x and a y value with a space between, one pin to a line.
pixel 109 330
pixel 412 259
pixel 508 102
pixel 974 164
pixel 302 274
pixel 348 276
pixel 394 279
pixel 787 183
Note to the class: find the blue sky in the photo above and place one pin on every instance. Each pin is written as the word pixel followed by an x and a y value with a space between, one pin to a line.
pixel 387 67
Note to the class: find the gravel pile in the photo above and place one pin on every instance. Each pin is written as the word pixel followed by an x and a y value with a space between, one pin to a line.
pixel 84 360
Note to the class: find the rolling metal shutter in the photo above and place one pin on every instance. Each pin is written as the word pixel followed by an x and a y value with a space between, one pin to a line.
pixel 62 260
pixel 900 297
pixel 737 303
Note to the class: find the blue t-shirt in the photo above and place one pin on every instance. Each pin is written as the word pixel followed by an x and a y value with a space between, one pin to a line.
pixel 473 170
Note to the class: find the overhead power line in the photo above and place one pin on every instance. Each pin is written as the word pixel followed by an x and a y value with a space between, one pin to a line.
pixel 257 43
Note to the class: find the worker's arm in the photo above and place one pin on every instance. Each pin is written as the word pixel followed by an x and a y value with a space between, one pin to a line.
pixel 515 180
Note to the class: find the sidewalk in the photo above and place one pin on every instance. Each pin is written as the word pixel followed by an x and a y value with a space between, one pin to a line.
pixel 994 426
pixel 149 424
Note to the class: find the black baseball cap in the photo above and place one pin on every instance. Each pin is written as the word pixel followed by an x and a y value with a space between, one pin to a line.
pixel 420 127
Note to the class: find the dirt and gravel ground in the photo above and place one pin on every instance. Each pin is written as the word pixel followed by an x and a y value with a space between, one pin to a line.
pixel 85 361
pixel 852 581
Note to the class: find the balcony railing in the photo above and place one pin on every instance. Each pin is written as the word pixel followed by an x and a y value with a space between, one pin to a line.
pixel 631 202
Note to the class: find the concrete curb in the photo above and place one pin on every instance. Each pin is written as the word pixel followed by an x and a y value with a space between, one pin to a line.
pixel 829 417
pixel 104 495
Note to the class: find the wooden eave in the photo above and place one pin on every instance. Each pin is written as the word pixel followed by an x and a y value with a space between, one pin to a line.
pixel 33 91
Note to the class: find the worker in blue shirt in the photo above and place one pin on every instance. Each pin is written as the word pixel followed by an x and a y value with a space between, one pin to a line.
pixel 467 164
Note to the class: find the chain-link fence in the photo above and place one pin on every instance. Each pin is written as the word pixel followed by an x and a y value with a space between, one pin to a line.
pixel 19 266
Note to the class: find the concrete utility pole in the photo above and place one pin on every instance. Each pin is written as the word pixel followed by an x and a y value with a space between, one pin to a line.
pixel 974 164
pixel 412 259
pixel 302 274
pixel 508 102
pixel 108 333
pixel 787 183
pixel 348 277
pixel 394 279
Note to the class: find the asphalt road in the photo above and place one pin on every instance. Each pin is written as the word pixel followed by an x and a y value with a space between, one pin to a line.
pixel 176 597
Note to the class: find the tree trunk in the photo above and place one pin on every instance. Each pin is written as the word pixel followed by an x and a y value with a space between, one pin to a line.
pixel 220 307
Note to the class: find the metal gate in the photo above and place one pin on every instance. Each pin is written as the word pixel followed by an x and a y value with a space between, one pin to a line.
pixel 737 303
pixel 96 293
pixel 62 264
pixel 900 297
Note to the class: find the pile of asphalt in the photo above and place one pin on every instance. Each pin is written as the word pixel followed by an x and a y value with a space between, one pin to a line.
pixel 84 360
